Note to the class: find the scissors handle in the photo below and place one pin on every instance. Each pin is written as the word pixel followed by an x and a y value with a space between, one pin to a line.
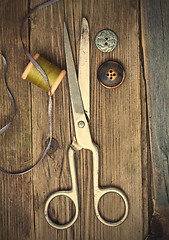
pixel 100 192
pixel 71 194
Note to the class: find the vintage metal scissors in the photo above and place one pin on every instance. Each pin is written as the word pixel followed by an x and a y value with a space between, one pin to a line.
pixel 79 94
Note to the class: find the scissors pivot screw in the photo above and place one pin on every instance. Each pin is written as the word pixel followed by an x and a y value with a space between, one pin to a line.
pixel 82 137
pixel 81 124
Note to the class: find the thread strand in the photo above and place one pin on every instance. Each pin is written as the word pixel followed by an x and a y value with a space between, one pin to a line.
pixel 41 71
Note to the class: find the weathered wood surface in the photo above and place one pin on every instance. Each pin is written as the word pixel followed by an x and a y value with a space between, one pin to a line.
pixel 16 201
pixel 117 125
pixel 155 35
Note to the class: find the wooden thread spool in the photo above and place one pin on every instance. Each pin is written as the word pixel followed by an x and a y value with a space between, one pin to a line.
pixel 55 75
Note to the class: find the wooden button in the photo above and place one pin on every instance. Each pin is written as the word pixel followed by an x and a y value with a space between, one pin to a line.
pixel 111 74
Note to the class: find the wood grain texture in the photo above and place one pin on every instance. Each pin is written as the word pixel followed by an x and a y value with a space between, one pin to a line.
pixel 155 34
pixel 118 110
pixel 117 125
pixel 16 212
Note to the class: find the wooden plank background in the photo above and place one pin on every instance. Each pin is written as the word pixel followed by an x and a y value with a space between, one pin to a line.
pixel 16 204
pixel 155 34
pixel 118 124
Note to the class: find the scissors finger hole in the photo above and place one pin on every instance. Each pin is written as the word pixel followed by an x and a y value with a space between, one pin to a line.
pixel 111 207
pixel 61 210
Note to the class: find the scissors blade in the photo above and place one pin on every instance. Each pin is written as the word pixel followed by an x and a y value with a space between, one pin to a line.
pixel 83 73
pixel 75 95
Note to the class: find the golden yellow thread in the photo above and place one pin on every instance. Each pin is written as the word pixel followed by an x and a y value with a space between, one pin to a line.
pixel 55 75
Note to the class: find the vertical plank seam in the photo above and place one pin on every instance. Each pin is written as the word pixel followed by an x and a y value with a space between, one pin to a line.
pixel 149 156
pixel 31 99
